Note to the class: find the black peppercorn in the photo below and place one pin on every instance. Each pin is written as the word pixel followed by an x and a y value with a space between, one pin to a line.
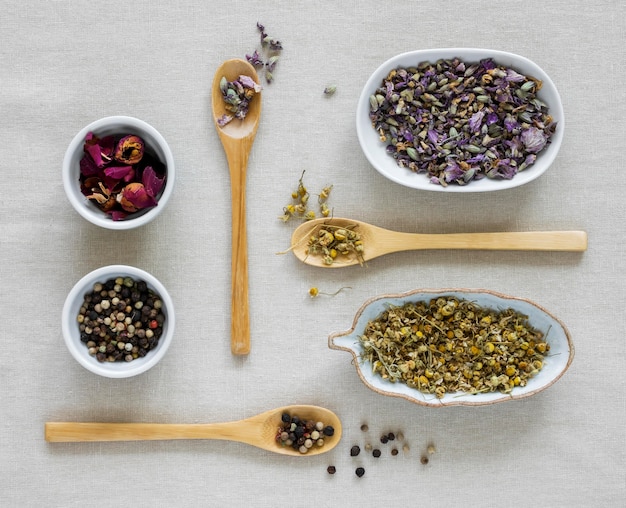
pixel 354 451
pixel 391 436
pixel 286 418
pixel 384 439
pixel 376 452
pixel 329 430
pixel 331 469
pixel 360 471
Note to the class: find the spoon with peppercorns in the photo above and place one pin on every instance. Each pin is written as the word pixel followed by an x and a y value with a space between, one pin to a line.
pixel 320 426
pixel 236 104
pixel 336 242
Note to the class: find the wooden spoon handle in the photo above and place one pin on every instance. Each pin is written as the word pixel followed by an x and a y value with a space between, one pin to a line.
pixel 65 432
pixel 526 240
pixel 240 314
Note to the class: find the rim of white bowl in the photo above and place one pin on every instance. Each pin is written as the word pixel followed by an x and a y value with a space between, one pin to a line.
pixel 70 176
pixel 372 148
pixel 71 334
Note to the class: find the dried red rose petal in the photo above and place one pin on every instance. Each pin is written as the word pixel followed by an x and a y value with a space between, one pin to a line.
pixel 120 172
pixel 99 149
pixel 152 182
pixel 129 149
pixel 120 177
pixel 135 197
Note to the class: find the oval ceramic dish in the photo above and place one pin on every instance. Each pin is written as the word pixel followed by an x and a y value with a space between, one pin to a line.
pixel 557 336
pixel 375 150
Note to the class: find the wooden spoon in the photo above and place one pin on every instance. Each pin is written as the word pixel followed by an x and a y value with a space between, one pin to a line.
pixel 259 430
pixel 378 241
pixel 237 138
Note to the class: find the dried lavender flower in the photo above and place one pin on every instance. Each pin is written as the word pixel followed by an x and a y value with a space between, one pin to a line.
pixel 271 48
pixel 458 121
pixel 237 95
pixel 254 59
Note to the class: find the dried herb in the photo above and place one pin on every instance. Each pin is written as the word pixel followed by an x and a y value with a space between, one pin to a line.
pixel 449 345
pixel 314 292
pixel 271 49
pixel 459 122
pixel 299 206
pixel 335 243
pixel 237 95
pixel 119 176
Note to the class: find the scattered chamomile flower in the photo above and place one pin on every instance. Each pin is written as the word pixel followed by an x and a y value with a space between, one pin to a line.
pixel 299 207
pixel 314 291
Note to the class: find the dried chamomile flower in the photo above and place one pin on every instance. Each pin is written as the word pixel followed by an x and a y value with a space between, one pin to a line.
pixel 335 242
pixel 450 345
pixel 314 291
pixel 299 206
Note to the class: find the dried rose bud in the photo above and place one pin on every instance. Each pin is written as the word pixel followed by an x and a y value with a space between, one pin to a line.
pixel 129 149
pixel 135 197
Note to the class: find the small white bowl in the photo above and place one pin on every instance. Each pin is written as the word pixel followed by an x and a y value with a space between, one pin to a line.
pixel 155 144
pixel 71 332
pixel 556 335
pixel 375 150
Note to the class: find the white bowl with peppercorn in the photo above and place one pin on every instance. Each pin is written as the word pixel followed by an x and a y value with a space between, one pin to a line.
pixel 118 172
pixel 118 321
pixel 460 120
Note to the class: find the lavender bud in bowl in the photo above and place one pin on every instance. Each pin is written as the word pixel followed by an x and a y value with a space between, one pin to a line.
pixel 460 120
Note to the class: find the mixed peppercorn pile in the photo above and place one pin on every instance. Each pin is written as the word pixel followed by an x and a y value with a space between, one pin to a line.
pixel 121 320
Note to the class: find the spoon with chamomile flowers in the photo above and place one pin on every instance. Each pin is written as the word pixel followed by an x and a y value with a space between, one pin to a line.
pixel 337 242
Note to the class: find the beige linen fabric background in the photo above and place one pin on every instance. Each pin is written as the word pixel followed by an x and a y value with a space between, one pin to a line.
pixel 64 64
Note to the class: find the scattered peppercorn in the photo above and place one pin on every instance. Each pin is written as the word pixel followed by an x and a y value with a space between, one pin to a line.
pixel 391 436
pixel 354 451
pixel 376 452
pixel 431 449
pixel 331 469
pixel 384 439
pixel 360 471
pixel 424 459
pixel 394 451
pixel 364 427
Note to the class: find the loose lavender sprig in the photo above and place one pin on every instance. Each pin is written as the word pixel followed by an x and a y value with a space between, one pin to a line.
pixel 272 48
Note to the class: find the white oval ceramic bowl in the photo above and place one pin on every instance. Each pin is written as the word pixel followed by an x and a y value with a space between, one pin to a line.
pixel 375 150
pixel 557 336
pixel 71 333
pixel 155 143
